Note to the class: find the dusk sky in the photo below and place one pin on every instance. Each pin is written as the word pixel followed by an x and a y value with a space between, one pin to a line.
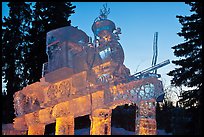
pixel 138 22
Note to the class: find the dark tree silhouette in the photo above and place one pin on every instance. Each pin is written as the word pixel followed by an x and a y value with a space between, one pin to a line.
pixel 15 30
pixel 24 43
pixel 190 71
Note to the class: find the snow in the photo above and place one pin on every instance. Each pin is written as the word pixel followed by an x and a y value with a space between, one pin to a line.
pixel 84 131
pixel 117 131
pixel 121 131
pixel 162 132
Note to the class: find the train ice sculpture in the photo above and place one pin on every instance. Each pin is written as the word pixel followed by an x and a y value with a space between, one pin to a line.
pixel 87 77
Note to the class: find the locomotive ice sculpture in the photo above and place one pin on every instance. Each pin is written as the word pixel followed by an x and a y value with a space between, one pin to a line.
pixel 71 49
pixel 85 77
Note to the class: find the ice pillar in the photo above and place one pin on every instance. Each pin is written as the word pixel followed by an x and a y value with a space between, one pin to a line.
pixel 36 129
pixel 146 118
pixel 65 125
pixel 101 122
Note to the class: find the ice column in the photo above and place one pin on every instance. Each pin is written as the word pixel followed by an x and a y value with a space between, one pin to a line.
pixel 65 125
pixel 36 129
pixel 101 122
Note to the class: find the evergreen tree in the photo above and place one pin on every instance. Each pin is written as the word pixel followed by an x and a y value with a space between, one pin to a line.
pixel 190 52
pixel 24 44
pixel 189 73
pixel 15 29
pixel 47 16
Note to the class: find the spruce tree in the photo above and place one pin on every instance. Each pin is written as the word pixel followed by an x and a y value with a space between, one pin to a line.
pixel 189 73
pixel 15 28
pixel 24 43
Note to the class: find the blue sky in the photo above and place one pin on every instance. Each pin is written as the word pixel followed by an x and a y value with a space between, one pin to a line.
pixel 138 22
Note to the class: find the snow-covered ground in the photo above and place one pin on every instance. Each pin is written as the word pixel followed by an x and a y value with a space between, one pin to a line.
pixel 117 131
pixel 162 132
